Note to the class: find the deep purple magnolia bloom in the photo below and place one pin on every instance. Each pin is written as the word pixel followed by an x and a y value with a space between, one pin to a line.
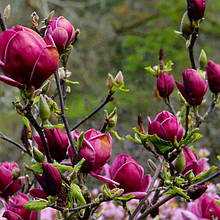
pixel 193 88
pixel 202 206
pixel 165 84
pixel 194 192
pixel 50 180
pixel 213 75
pixel 196 9
pixel 62 32
pixel 96 149
pixel 15 210
pixel 193 162
pixel 57 143
pixel 166 126
pixel 8 186
pixel 25 58
pixel 127 174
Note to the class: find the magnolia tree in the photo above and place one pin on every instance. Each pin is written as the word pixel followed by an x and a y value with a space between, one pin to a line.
pixel 54 184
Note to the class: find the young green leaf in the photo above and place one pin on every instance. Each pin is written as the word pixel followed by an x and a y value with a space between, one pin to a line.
pixel 36 205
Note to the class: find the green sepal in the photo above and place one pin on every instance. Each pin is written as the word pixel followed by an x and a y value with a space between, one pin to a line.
pixel 136 139
pixel 60 126
pixel 76 169
pixel 26 123
pixel 36 168
pixel 72 82
pixel 115 133
pixel 63 168
pixel 80 140
pixel 36 205
pixel 150 70
pixel 125 198
pixel 168 66
pixel 106 191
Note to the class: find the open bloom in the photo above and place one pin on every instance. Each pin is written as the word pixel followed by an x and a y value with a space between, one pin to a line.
pixel 196 8
pixel 165 84
pixel 50 180
pixel 15 210
pixel 166 126
pixel 193 88
pixel 96 149
pixel 57 143
pixel 213 75
pixel 62 32
pixel 193 162
pixel 25 58
pixel 201 208
pixel 127 174
pixel 8 185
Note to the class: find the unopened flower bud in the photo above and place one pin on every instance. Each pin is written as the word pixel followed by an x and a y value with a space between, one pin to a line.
pixel 119 78
pixel 194 192
pixel 180 162
pixel 165 84
pixel 38 156
pixel 44 109
pixel 112 118
pixel 202 59
pixel 186 26
pixel 196 9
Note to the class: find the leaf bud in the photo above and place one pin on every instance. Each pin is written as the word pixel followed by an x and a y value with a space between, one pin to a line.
pixel 38 156
pixel 186 26
pixel 180 162
pixel 202 59
pixel 44 109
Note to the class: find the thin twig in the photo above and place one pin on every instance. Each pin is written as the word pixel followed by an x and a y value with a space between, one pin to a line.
pixel 63 116
pixel 30 117
pixel 157 172
pixel 2 22
pixel 209 110
pixel 190 48
pixel 187 121
pixel 107 99
pixel 154 207
pixel 5 138
pixel 169 104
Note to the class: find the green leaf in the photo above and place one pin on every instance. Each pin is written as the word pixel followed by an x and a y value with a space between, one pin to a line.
pixel 176 190
pixel 143 137
pixel 36 168
pixel 36 205
pixel 71 82
pixel 26 123
pixel 106 191
pixel 63 168
pixel 204 174
pixel 80 140
pixel 161 145
pixel 168 66
pixel 218 202
pixel 135 140
pixel 191 138
pixel 150 70
pixel 76 169
pixel 60 126
pixel 77 193
pixel 36 100
pixel 125 198
pixel 115 134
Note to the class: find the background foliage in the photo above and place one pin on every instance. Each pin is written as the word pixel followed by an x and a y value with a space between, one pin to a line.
pixel 117 35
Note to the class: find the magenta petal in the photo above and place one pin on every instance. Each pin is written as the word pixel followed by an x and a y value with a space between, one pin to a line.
pixel 104 179
pixel 11 82
pixel 145 182
pixel 38 193
pixel 181 88
pixel 12 216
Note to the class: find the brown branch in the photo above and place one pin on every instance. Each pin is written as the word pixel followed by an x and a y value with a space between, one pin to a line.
pixel 63 116
pixel 2 22
pixel 5 138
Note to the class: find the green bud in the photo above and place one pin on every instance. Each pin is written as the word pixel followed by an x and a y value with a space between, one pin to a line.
pixel 186 26
pixel 202 59
pixel 110 81
pixel 38 156
pixel 44 109
pixel 46 87
pixel 180 162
